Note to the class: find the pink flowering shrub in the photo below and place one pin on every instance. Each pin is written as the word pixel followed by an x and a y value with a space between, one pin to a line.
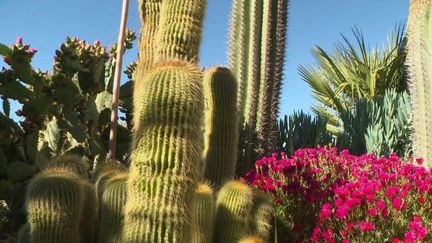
pixel 324 195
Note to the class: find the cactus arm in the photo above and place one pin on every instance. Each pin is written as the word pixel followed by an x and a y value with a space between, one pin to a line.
pixel 233 208
pixel 111 206
pixel 203 214
pixel 165 160
pixel 179 35
pixel 221 132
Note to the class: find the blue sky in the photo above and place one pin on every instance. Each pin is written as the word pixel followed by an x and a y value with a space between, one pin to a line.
pixel 45 24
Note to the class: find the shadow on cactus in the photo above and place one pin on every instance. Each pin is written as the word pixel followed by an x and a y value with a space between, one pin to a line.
pixel 63 111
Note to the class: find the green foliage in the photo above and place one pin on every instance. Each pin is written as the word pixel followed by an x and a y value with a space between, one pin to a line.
pixel 354 72
pixel 301 130
pixel 390 128
pixel 381 126
pixel 420 77
pixel 65 111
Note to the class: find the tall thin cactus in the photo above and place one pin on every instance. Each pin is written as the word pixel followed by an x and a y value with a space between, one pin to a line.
pixel 256 55
pixel 419 60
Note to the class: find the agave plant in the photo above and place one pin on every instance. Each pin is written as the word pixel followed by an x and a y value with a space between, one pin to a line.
pixel 355 71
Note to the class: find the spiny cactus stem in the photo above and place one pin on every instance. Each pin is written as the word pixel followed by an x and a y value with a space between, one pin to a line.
pixel 117 75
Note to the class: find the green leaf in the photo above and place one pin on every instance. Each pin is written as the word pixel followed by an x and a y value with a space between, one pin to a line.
pixel 3 163
pixel 19 171
pixel 31 145
pixel 103 101
pixel 52 135
pixel 5 50
pixel 15 90
pixel 37 107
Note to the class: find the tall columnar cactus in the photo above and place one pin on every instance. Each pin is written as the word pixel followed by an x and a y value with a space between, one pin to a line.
pixel 150 12
pixel 166 157
pixel 233 208
pixel 256 55
pixel 111 206
pixel 261 216
pixel 221 132
pixel 419 61
pixel 180 27
pixel 203 214
pixel 55 201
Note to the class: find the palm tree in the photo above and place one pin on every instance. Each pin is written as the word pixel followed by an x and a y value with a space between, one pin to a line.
pixel 353 72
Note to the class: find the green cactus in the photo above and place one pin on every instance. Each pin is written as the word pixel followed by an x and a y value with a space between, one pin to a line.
pixel 233 208
pixel 111 206
pixel 180 28
pixel 70 162
pixel 420 76
pixel 220 150
pixel 55 200
pixel 256 55
pixel 166 157
pixel 203 214
pixel 150 12
pixel 261 216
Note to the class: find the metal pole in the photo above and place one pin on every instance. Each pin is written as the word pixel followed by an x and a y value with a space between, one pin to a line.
pixel 117 76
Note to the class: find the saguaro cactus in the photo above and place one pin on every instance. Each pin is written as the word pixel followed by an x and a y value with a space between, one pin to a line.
pixel 111 206
pixel 256 54
pixel 166 157
pixel 203 214
pixel 233 207
pixel 420 73
pixel 221 132
pixel 55 200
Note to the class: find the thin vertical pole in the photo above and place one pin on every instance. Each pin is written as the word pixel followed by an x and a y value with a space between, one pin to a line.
pixel 117 76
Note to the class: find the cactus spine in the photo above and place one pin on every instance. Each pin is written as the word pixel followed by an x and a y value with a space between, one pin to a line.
pixel 165 160
pixel 89 213
pixel 256 56
pixel 111 206
pixel 220 92
pixel 179 35
pixel 419 66
pixel 261 216
pixel 233 207
pixel 55 200
pixel 203 214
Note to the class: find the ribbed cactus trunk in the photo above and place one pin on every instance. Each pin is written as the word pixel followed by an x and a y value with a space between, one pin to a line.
pixel 233 209
pixel 256 55
pixel 166 157
pixel 419 61
pixel 203 214
pixel 111 206
pixel 221 131
pixel 55 200
pixel 149 12
pixel 179 35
